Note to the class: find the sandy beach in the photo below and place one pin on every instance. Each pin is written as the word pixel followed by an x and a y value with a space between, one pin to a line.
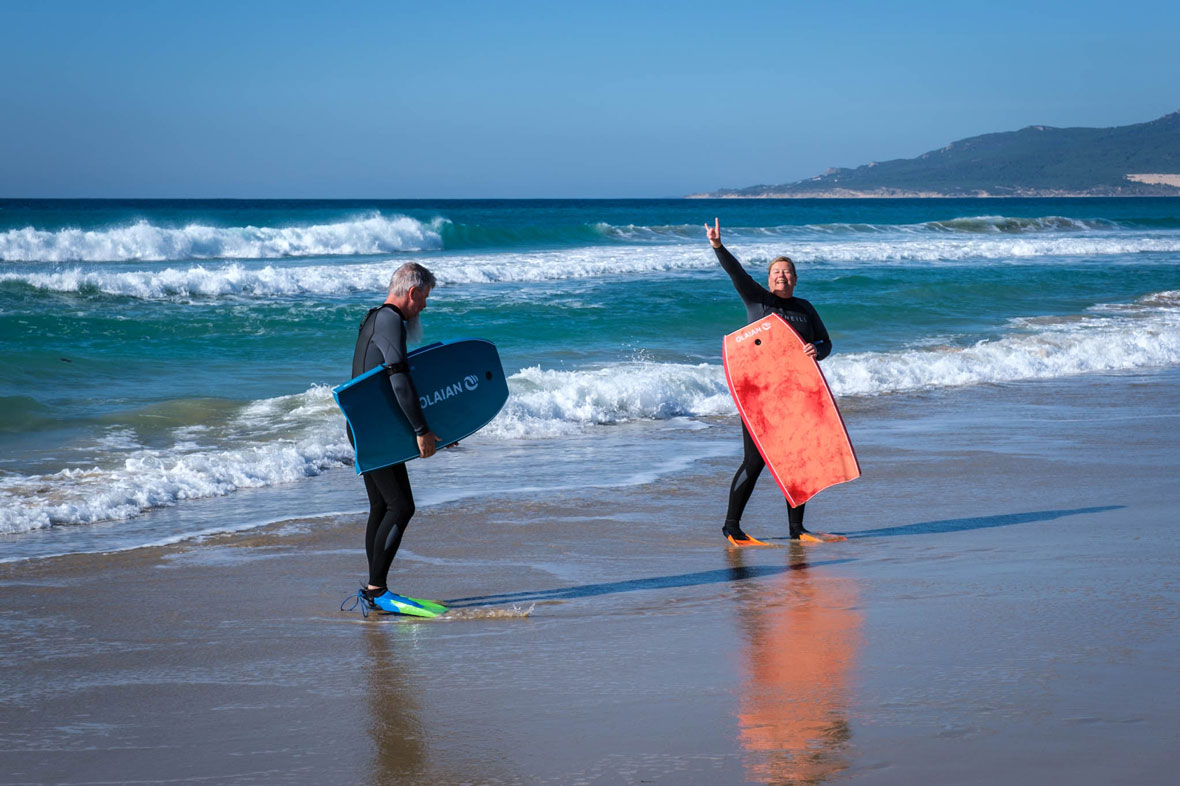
pixel 1003 611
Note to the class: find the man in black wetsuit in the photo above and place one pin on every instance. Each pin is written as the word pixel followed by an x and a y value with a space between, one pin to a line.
pixel 382 341
pixel 778 298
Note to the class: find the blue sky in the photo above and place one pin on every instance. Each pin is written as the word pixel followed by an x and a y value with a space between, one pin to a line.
pixel 543 99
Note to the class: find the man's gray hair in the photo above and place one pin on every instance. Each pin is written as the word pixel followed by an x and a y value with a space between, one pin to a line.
pixel 408 276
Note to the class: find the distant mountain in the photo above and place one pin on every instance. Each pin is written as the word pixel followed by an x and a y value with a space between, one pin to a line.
pixel 1136 160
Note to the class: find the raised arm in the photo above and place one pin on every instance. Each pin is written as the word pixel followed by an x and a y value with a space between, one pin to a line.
pixel 746 287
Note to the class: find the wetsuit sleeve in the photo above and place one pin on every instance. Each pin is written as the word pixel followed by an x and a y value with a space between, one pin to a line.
pixel 821 340
pixel 407 399
pixel 746 287
pixel 389 337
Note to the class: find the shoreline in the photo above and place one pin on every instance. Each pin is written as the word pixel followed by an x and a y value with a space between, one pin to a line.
pixel 930 195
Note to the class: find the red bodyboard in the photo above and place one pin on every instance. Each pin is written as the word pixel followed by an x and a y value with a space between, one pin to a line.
pixel 788 409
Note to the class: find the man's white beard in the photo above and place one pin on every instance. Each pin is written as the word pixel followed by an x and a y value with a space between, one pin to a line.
pixel 414 329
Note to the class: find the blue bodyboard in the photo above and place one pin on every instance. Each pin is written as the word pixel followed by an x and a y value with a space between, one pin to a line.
pixel 461 387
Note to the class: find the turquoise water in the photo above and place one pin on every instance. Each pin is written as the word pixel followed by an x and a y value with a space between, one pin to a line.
pixel 169 355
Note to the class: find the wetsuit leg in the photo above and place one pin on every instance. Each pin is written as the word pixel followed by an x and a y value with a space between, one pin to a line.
pixel 795 519
pixel 744 479
pixel 743 486
pixel 391 505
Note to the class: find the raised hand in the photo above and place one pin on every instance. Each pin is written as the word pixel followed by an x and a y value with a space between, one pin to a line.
pixel 714 233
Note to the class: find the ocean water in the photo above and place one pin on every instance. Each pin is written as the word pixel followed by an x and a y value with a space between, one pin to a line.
pixel 166 366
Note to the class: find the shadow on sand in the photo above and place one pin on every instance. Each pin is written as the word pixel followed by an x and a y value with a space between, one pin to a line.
pixel 978 522
pixel 750 572
pixel 732 574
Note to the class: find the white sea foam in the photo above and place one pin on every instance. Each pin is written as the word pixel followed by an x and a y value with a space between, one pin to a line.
pixel 1051 349
pixel 286 439
pixel 199 281
pixel 239 280
pixel 1112 337
pixel 143 241
pixel 983 247
pixel 274 441
pixel 547 403
pixel 374 233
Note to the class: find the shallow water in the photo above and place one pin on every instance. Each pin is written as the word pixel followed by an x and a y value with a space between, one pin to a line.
pixel 166 366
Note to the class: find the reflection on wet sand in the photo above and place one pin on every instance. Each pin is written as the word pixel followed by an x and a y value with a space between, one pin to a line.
pixel 393 722
pixel 801 632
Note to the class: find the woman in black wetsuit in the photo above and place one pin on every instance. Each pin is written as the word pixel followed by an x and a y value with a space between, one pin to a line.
pixel 778 297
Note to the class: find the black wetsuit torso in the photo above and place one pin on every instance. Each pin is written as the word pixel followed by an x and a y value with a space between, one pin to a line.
pixel 382 341
pixel 760 302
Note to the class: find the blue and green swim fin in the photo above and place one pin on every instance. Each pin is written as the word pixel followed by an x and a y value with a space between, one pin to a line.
pixel 413 607
pixel 393 603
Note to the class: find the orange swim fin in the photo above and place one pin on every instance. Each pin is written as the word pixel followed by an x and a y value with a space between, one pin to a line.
pixel 747 542
pixel 820 537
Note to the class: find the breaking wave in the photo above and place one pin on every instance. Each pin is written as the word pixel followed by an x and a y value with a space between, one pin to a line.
pixel 243 280
pixel 374 233
pixel 146 242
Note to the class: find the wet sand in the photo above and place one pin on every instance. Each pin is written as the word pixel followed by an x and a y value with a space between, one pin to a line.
pixel 1005 610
